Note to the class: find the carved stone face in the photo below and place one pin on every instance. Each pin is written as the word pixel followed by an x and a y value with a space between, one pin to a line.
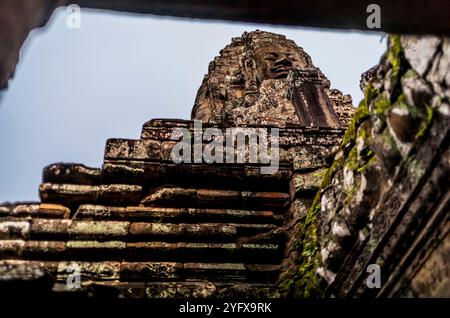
pixel 274 61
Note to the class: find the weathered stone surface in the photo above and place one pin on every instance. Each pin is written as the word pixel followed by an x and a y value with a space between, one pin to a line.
pixel 90 270
pixel 79 194
pixel 71 173
pixel 68 193
pixel 262 78
pixel 22 270
pixel 204 195
pixel 149 214
pixel 107 245
pixel 53 211
pixel 210 290
pixel 306 183
pixel 10 230
pixel 222 198
pixel 20 210
pixel 167 231
pixel 98 230
pixel 143 218
pixel 11 248
pixel 46 229
pixel 232 271
pixel 122 149
pixel 310 158
pixel 44 250
pixel 165 195
pixel 25 279
pixel 432 279
pixel 208 252
pixel 96 250
pixel 120 193
pixel 385 192
pixel 21 17
pixel 123 172
pixel 180 290
pixel 166 150
pixel 117 289
pixel 150 271
pixel 100 212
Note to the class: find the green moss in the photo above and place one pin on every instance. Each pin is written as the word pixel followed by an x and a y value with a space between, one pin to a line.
pixel 426 124
pixel 369 94
pixel 307 283
pixel 361 114
pixel 395 57
pixel 380 105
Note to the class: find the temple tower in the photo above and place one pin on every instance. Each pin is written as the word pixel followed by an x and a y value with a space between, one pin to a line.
pixel 161 219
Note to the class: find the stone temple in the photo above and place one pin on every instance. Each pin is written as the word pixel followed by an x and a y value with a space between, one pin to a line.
pixel 143 225
pixel 263 78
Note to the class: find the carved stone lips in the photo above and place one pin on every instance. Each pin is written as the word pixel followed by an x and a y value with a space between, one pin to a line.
pixel 281 70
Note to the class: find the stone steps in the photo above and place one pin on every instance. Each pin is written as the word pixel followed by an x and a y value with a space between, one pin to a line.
pixel 175 215
pixel 177 289
pixel 201 232
pixel 125 195
pixel 63 229
pixel 154 242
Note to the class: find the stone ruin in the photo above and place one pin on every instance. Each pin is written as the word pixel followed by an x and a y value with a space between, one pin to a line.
pixel 145 226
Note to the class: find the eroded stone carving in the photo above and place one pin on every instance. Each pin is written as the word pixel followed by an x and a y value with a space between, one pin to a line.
pixel 264 78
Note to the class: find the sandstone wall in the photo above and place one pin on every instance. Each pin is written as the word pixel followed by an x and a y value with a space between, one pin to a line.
pixel 385 200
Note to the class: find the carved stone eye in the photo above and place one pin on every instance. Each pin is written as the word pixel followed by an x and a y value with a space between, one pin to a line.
pixel 270 56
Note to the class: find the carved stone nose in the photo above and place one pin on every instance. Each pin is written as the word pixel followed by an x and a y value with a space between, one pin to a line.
pixel 283 62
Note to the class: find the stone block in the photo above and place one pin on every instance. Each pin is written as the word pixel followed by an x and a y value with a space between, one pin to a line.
pixel 98 230
pixel 90 270
pixel 50 229
pixel 306 184
pixel 11 230
pixel 71 173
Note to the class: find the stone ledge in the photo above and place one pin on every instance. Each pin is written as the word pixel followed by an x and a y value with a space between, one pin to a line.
pixel 23 210
pixel 71 173
pixel 72 194
pixel 177 215
pixel 214 198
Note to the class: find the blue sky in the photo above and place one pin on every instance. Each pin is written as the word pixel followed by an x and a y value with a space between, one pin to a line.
pixel 75 88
